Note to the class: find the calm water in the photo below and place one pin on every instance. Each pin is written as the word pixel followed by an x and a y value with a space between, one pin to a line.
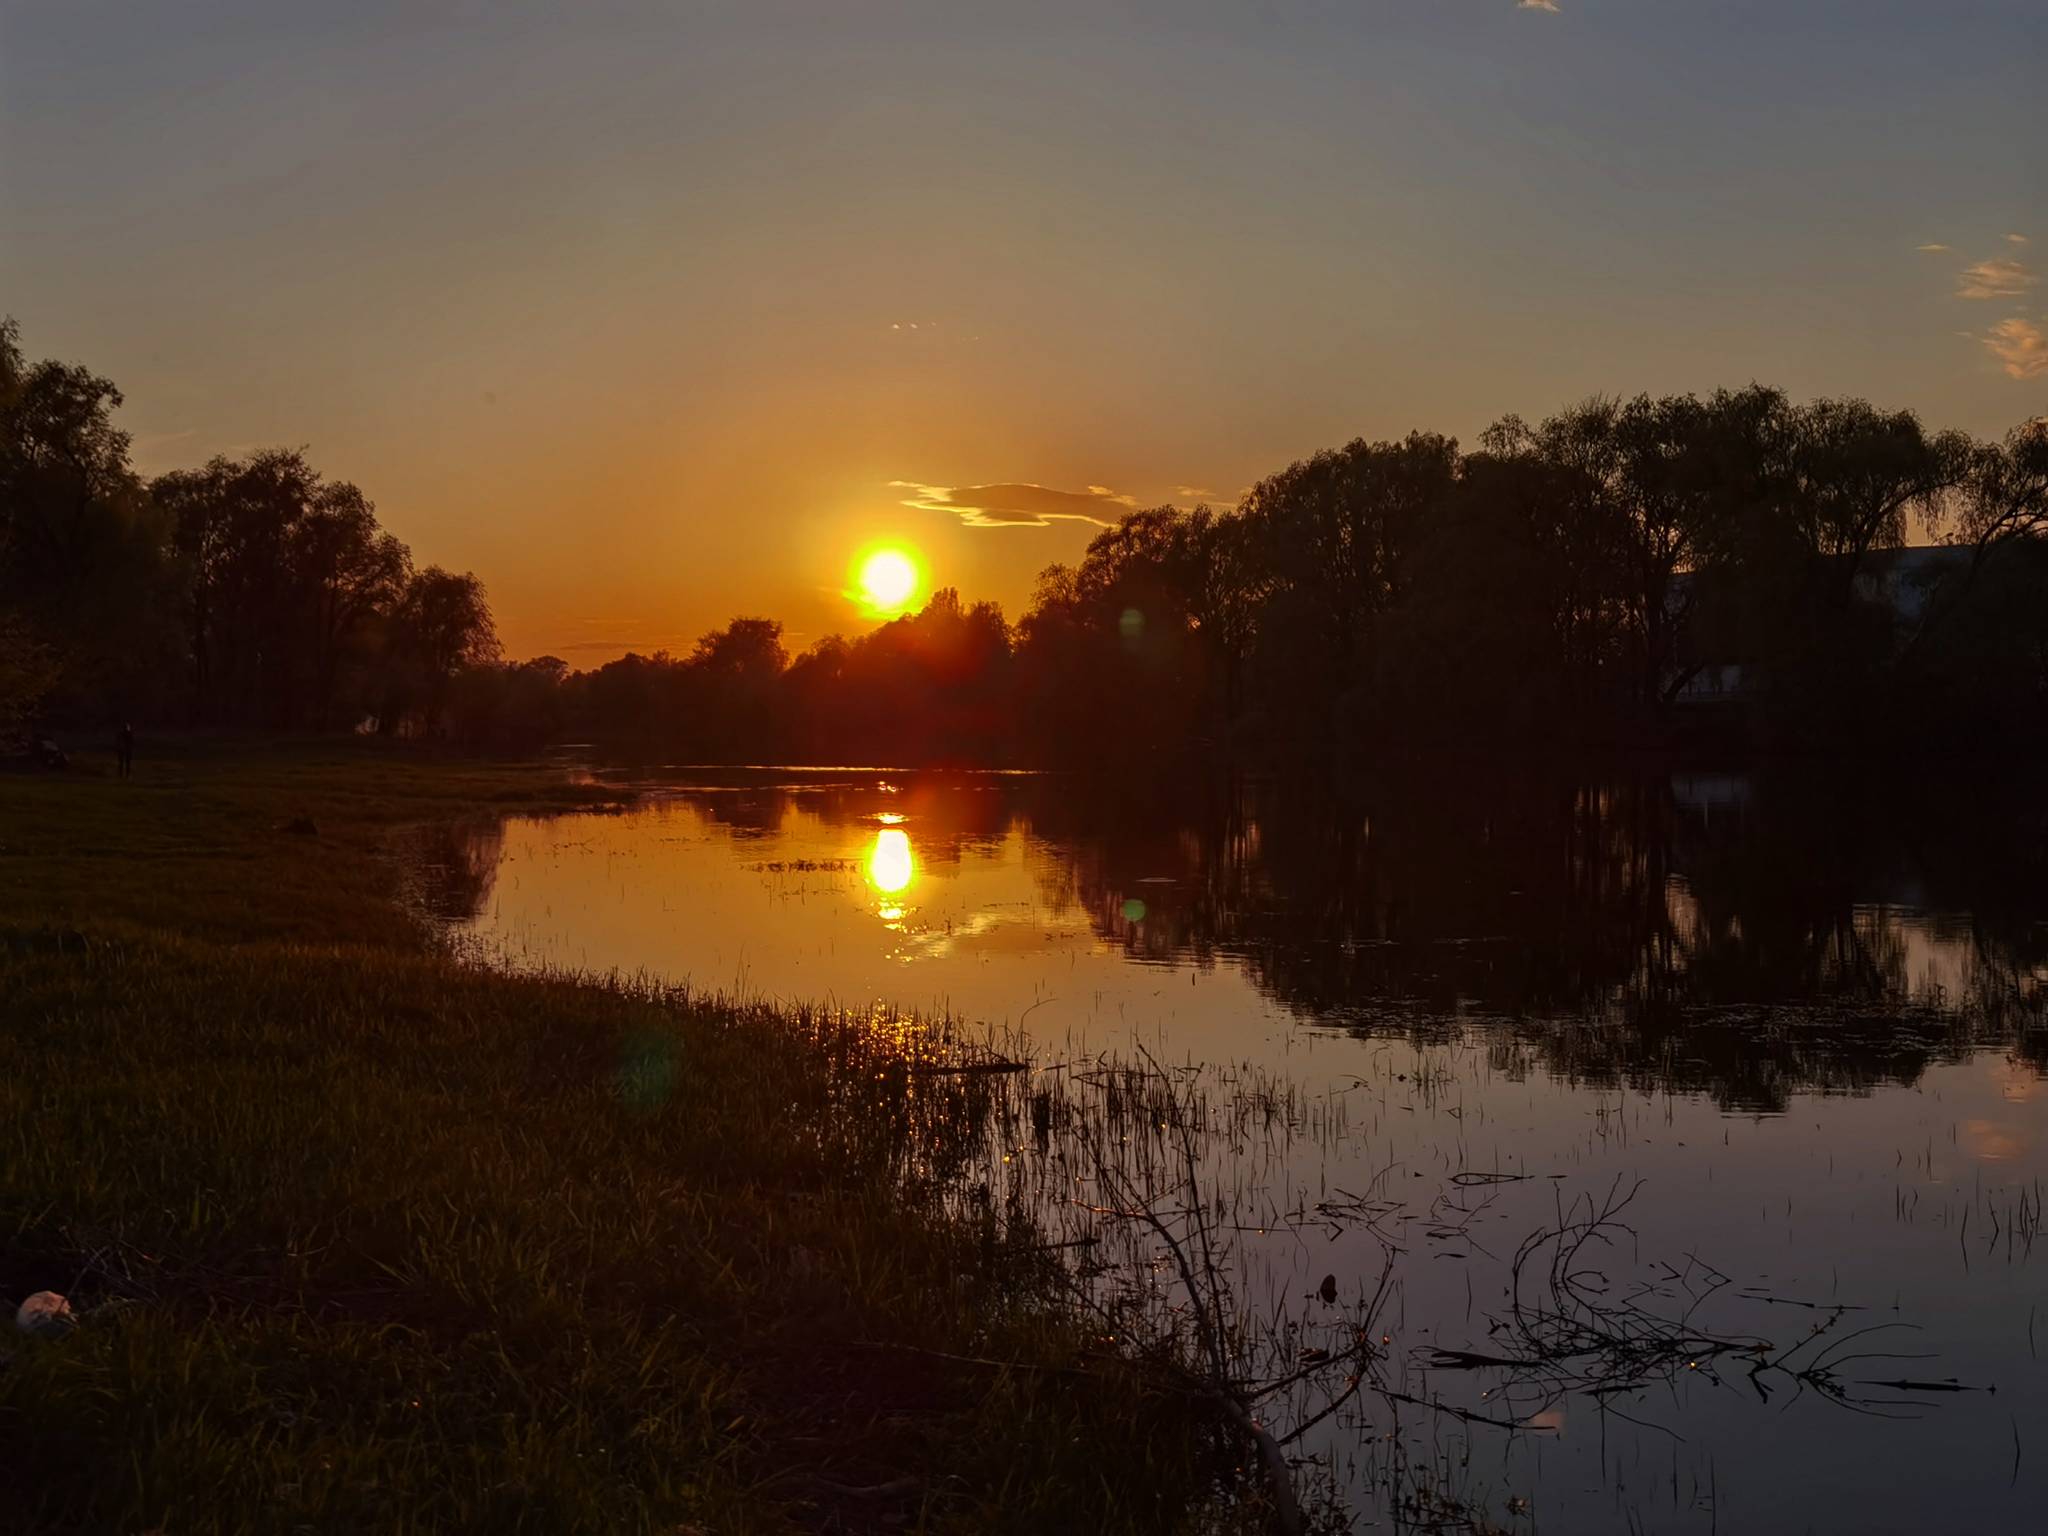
pixel 1807 1017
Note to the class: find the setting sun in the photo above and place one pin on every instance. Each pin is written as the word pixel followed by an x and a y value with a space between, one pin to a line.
pixel 887 582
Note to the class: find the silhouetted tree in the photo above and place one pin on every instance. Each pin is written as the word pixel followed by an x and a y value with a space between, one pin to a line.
pixel 287 573
pixel 348 571
pixel 28 673
pixel 84 561
pixel 1335 536
pixel 730 687
pixel 233 524
pixel 510 706
pixel 1856 473
pixel 1563 585
pixel 1659 492
pixel 440 625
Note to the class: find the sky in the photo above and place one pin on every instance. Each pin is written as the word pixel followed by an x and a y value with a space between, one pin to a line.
pixel 657 314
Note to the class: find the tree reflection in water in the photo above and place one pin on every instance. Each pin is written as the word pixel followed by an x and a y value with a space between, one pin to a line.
pixel 1539 939
pixel 1748 938
pixel 1743 939
pixel 450 868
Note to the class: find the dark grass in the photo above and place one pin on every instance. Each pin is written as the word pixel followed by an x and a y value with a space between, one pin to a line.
pixel 363 1239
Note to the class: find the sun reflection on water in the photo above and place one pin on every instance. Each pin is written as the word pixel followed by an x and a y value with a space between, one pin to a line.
pixel 891 868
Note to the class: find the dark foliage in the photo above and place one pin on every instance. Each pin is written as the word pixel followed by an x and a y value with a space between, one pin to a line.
pixel 1647 570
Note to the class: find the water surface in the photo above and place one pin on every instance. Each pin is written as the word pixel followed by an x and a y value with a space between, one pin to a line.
pixel 1800 1018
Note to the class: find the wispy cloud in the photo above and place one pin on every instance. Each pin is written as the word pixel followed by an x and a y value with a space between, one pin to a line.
pixel 2018 239
pixel 632 647
pixel 620 633
pixel 1016 505
pixel 1997 278
pixel 1933 246
pixel 1537 5
pixel 2020 346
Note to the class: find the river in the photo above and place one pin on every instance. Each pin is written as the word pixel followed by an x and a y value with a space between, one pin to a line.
pixel 1785 1032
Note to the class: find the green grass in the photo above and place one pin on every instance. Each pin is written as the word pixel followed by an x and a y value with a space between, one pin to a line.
pixel 363 1239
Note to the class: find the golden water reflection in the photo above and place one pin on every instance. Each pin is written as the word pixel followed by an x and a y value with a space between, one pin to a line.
pixel 891 868
pixel 1814 1027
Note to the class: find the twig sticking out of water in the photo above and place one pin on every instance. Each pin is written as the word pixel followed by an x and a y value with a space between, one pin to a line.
pixel 1564 1332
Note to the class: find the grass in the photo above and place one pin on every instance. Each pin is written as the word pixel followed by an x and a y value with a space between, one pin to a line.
pixel 364 1239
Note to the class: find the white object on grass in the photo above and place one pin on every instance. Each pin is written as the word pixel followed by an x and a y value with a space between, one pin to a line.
pixel 45 1313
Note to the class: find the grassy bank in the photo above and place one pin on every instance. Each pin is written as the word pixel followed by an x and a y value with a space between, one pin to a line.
pixel 362 1239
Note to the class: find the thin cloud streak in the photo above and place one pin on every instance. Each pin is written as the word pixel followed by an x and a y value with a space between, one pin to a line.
pixel 1016 504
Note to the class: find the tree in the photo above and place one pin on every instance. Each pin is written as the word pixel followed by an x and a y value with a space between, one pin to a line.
pixel 1505 633
pixel 61 456
pixel 1855 473
pixel 442 623
pixel 84 556
pixel 933 686
pixel 1651 495
pixel 730 685
pixel 347 571
pixel 747 651
pixel 28 671
pixel 2005 488
pixel 287 571
pixel 1334 536
pixel 233 521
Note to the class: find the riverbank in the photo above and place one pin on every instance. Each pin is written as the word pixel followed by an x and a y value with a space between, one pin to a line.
pixel 361 1238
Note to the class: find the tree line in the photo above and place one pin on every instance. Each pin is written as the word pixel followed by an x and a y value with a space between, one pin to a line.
pixel 250 592
pixel 1571 582
pixel 1623 571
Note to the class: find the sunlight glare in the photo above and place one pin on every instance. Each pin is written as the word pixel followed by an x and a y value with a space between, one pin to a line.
pixel 890 865
pixel 887 582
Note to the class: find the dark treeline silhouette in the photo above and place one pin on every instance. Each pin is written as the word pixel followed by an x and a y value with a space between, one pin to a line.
pixel 248 592
pixel 1625 571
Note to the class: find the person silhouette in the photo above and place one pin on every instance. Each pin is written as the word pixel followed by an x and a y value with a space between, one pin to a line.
pixel 126 750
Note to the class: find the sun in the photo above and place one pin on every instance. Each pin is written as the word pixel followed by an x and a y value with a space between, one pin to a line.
pixel 886 582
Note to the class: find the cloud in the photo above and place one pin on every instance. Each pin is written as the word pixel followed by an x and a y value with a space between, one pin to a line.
pixel 621 634
pixel 1537 5
pixel 1932 247
pixel 2017 239
pixel 2020 346
pixel 1997 278
pixel 1016 505
pixel 633 647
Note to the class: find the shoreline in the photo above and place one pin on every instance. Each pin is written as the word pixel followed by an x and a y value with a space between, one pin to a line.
pixel 360 1236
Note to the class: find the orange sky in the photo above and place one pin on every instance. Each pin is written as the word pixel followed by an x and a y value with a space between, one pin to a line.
pixel 652 314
